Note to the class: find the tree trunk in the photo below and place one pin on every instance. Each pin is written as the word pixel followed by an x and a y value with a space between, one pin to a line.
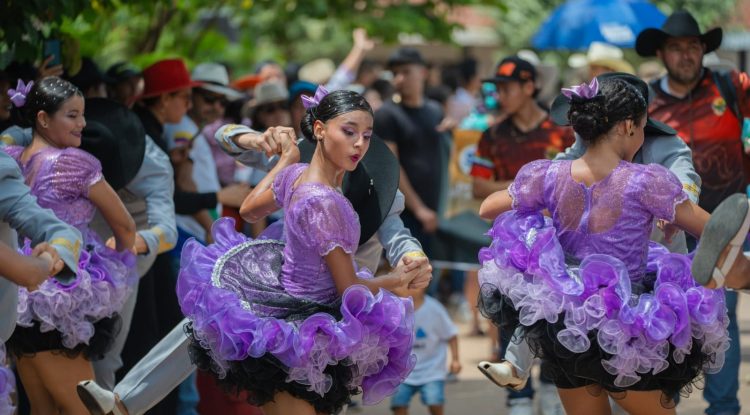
pixel 162 16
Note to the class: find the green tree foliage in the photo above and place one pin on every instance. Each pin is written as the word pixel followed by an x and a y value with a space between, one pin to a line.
pixel 234 31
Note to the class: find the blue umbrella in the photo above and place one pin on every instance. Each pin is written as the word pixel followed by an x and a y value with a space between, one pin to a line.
pixel 577 23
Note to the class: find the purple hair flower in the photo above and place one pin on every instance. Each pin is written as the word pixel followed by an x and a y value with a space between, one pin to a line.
pixel 584 91
pixel 18 95
pixel 309 102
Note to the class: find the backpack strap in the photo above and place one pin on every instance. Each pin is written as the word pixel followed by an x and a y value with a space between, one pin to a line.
pixel 728 91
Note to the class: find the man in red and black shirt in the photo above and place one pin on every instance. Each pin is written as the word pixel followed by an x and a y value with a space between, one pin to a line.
pixel 689 100
pixel 525 134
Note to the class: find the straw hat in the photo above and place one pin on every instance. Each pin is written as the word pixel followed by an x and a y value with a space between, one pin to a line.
pixel 317 71
pixel 602 54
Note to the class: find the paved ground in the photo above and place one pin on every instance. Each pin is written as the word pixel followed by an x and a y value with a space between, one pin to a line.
pixel 474 395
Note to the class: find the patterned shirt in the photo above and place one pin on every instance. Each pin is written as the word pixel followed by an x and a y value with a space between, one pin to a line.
pixel 504 149
pixel 712 130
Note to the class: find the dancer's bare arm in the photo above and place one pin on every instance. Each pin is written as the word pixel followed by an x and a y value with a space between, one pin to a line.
pixel 495 204
pixel 341 266
pixel 117 217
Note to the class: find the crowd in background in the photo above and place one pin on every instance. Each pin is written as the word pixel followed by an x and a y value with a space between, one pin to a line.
pixel 419 108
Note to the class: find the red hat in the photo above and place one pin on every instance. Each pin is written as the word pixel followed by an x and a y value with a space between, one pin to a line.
pixel 247 82
pixel 165 76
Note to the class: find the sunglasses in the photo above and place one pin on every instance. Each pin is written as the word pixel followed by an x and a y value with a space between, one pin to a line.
pixel 269 108
pixel 212 99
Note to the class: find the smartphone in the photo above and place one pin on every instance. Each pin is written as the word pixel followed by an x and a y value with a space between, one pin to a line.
pixel 52 47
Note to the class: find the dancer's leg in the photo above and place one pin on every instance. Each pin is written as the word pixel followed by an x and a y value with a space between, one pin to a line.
pixel 644 403
pixel 60 375
pixel 283 404
pixel 580 401
pixel 39 396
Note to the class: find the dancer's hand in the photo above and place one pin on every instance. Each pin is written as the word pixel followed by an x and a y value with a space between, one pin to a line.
pixel 271 141
pixel 289 151
pixel 49 254
pixel 423 268
pixel 669 230
pixel 140 247
pixel 406 271
pixel 112 244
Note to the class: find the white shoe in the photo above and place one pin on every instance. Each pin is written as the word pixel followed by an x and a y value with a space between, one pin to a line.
pixel 549 399
pixel 521 406
pixel 501 374
pixel 97 400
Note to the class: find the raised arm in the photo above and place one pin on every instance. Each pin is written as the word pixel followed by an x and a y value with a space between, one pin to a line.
pixel 347 71
pixel 261 202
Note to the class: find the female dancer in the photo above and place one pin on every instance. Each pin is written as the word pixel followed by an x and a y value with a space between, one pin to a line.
pixel 296 324
pixel 608 310
pixel 68 321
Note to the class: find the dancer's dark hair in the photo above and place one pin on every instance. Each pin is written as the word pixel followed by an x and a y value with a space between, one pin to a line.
pixel 333 105
pixel 617 101
pixel 46 95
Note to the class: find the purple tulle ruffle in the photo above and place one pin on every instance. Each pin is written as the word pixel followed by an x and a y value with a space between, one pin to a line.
pixel 373 336
pixel 526 263
pixel 105 279
pixel 7 385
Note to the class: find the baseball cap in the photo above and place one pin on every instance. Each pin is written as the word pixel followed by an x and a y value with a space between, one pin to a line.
pixel 405 56
pixel 513 68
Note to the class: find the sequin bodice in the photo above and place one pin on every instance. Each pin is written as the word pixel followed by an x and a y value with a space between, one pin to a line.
pixel 317 219
pixel 613 216
pixel 60 179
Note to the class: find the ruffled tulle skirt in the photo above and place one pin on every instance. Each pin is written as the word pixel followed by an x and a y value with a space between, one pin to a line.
pixel 77 316
pixel 7 384
pixel 254 336
pixel 590 322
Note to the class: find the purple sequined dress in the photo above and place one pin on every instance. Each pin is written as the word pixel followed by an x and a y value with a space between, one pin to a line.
pixel 266 315
pixel 80 315
pixel 591 294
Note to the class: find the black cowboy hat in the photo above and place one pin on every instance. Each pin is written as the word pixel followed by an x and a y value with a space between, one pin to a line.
pixel 680 24
pixel 371 187
pixel 116 137
pixel 561 105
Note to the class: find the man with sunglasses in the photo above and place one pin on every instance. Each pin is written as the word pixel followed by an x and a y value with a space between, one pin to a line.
pixel 270 106
pixel 209 102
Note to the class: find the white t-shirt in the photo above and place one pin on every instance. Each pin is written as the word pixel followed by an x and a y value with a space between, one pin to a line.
pixel 433 328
